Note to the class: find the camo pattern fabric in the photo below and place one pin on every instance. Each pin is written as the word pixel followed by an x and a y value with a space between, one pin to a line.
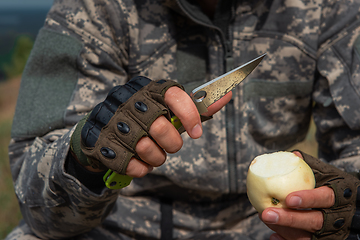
pixel 312 67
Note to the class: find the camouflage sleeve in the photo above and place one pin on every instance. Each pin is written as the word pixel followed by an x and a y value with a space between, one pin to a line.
pixel 53 203
pixel 337 91
pixel 77 58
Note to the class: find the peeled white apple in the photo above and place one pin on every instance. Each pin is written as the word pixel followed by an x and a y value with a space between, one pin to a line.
pixel 271 177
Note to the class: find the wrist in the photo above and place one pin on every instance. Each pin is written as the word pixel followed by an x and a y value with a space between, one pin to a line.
pixel 75 144
pixel 91 180
pixel 87 167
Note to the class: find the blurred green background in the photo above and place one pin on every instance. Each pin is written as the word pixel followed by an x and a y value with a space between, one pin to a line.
pixel 9 210
pixel 18 29
pixel 12 69
pixel 20 21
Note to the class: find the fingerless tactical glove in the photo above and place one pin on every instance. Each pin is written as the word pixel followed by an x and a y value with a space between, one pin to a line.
pixel 111 131
pixel 340 221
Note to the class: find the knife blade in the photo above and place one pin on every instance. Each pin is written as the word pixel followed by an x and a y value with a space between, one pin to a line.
pixel 203 96
pixel 210 92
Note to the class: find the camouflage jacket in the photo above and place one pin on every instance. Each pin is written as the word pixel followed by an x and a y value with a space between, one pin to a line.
pixel 88 46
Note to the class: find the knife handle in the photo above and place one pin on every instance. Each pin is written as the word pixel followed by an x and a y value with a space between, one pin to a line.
pixel 114 180
pixel 175 121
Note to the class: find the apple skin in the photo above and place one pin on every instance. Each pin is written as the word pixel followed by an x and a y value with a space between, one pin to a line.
pixel 267 185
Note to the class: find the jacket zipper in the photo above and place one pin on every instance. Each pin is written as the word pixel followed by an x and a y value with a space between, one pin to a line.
pixel 230 107
pixel 230 121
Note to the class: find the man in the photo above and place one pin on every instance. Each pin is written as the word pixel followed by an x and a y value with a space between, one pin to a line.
pixel 88 50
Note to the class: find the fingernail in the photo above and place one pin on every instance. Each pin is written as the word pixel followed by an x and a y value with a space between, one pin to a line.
pixel 196 132
pixel 271 217
pixel 294 201
pixel 150 168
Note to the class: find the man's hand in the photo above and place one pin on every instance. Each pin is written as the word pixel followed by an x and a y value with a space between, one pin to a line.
pixel 167 138
pixel 131 132
pixel 326 212
pixel 298 223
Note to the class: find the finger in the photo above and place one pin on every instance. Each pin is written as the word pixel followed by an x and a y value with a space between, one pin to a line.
pixel 137 168
pixel 213 108
pixel 150 152
pixel 308 220
pixel 183 107
pixel 166 135
pixel 322 197
pixel 276 236
pixel 283 233
pixel 298 154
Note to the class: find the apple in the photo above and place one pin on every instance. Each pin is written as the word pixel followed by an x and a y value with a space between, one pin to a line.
pixel 271 177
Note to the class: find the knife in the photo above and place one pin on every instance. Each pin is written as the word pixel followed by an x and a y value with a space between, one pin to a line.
pixel 203 96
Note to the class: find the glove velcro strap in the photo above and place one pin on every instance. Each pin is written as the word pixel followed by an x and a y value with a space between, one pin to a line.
pixel 75 142
pixel 338 218
pixel 116 143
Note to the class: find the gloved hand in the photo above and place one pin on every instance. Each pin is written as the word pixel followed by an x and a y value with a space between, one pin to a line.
pixel 111 131
pixel 341 220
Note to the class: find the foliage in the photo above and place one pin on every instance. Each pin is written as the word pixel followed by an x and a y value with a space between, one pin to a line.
pixel 19 56
pixel 9 209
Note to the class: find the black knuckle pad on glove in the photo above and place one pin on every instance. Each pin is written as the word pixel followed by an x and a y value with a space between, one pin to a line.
pixel 112 130
pixel 337 219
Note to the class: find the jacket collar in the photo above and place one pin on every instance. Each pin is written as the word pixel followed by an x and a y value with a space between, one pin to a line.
pixel 190 9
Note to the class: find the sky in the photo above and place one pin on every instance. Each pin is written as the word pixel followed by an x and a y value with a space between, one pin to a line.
pixel 5 4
